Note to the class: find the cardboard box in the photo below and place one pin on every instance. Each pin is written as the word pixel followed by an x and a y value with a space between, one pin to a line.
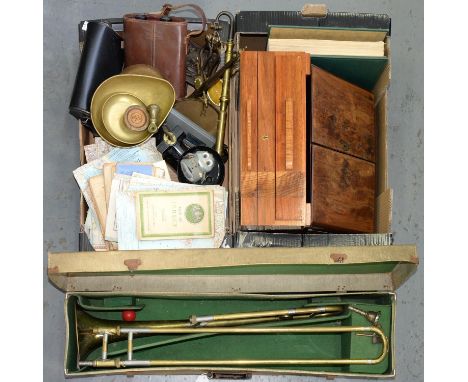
pixel 370 269
pixel 257 40
pixel 384 193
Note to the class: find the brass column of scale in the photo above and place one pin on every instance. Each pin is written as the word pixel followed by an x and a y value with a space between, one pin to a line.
pixel 192 170
pixel 224 99
pixel 92 332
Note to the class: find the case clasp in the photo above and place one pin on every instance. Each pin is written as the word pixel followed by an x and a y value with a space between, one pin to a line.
pixel 229 375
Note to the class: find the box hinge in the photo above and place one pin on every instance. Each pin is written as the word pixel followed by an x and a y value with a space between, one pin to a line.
pixel 228 375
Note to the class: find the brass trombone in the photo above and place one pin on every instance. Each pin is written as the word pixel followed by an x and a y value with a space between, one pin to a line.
pixel 93 332
pixel 224 99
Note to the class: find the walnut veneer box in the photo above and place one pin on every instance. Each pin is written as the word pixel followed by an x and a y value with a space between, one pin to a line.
pixel 307 146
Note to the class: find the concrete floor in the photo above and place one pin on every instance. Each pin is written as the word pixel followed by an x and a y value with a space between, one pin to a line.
pixel 405 136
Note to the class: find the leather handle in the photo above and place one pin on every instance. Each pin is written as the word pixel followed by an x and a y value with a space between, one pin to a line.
pixel 289 125
pixel 167 8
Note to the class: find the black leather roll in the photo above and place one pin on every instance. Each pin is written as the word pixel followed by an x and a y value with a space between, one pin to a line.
pixel 102 57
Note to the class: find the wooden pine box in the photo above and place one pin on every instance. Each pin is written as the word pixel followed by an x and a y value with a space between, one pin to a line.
pixel 298 171
pixel 373 164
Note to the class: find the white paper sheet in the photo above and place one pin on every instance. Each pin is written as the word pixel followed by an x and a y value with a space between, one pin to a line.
pixel 126 216
pixel 120 183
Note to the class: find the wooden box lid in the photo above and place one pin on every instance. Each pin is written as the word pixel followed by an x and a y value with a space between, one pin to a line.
pixel 342 116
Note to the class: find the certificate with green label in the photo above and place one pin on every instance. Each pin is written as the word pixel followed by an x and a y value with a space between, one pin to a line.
pixel 175 214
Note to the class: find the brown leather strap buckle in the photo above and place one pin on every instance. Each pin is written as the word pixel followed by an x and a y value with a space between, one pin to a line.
pixel 166 8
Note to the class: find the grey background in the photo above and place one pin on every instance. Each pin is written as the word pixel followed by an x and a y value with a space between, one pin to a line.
pixel 61 156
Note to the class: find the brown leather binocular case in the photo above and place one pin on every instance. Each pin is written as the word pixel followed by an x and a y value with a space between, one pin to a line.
pixel 161 41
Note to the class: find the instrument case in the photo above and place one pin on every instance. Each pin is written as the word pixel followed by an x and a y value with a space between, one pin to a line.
pixel 176 283
pixel 358 267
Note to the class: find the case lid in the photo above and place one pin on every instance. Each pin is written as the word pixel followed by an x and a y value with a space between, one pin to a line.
pixel 235 270
pixel 259 21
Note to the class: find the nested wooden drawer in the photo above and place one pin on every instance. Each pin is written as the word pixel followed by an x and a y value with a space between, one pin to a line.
pixel 292 113
pixel 343 152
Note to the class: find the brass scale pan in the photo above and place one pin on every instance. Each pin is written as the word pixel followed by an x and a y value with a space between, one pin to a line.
pixel 93 332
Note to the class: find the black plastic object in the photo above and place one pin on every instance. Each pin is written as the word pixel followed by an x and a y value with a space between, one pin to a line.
pixel 115 23
pixel 185 133
pixel 214 176
pixel 101 58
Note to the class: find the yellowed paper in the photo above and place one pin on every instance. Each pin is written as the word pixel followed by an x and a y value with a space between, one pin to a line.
pixel 108 170
pixel 96 185
pixel 175 214
pixel 328 47
pixel 119 183
pixel 93 231
pixel 282 32
pixel 127 220
pixel 144 153
pixel 159 170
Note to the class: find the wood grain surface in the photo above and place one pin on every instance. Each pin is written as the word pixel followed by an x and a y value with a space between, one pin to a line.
pixel 342 116
pixel 266 139
pixel 248 138
pixel 290 85
pixel 343 191
pixel 273 138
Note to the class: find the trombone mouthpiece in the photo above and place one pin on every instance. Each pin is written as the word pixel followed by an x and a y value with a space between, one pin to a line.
pixel 371 316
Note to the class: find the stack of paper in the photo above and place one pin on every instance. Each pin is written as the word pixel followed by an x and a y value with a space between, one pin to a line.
pixel 153 213
pixel 319 41
pixel 133 204
pixel 328 47
pixel 91 184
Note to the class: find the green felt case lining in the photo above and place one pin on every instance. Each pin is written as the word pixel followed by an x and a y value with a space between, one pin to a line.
pixel 244 346
pixel 270 269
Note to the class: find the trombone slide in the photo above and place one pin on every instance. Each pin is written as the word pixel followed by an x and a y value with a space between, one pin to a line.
pixel 129 362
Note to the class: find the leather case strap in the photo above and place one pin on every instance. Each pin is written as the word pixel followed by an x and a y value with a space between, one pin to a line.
pixel 167 8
